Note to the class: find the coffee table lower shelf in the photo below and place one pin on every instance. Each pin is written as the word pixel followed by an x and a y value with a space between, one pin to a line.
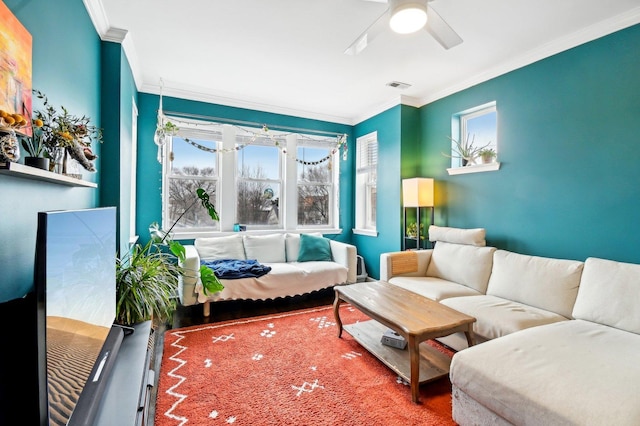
pixel 433 363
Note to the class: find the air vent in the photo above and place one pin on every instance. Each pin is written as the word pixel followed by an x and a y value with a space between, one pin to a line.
pixel 398 85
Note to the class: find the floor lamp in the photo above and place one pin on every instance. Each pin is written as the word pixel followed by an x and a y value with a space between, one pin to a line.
pixel 416 193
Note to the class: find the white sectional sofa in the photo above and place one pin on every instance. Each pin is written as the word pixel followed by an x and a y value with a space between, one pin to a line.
pixel 288 276
pixel 560 339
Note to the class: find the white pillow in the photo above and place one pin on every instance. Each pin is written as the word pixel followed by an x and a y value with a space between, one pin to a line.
pixel 545 283
pixel 462 264
pixel 473 237
pixel 292 244
pixel 608 294
pixel 220 247
pixel 265 248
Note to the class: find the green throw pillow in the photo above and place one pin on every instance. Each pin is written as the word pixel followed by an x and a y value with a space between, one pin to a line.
pixel 314 248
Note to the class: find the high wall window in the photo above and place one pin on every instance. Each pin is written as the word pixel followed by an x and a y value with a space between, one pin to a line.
pixel 366 178
pixel 260 178
pixel 475 136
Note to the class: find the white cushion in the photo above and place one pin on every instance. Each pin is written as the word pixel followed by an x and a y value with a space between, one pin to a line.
pixel 292 244
pixel 609 294
pixel 432 288
pixel 545 283
pixel 463 264
pixel 214 248
pixel 497 317
pixel 265 248
pixel 474 237
pixel 567 373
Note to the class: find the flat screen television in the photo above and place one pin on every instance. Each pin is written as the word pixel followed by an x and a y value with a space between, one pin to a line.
pixel 75 286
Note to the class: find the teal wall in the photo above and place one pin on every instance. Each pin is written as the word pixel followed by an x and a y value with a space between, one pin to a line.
pixel 118 94
pixel 149 185
pixel 388 212
pixel 569 144
pixel 66 67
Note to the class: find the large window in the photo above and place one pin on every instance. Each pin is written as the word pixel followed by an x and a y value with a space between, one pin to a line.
pixel 188 167
pixel 366 178
pixel 316 190
pixel 259 178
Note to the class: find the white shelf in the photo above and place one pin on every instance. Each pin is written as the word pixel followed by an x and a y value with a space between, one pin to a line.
pixel 28 172
pixel 476 168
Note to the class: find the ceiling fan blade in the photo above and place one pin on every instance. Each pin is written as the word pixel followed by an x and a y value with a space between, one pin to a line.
pixel 363 40
pixel 440 30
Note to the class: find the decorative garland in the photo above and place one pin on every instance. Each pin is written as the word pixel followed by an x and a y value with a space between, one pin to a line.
pixel 171 129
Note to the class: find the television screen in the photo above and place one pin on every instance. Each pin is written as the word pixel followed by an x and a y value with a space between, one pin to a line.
pixel 75 281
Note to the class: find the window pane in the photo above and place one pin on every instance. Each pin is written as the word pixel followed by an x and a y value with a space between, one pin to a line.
pixel 183 197
pixel 258 202
pixel 313 204
pixel 309 172
pixel 259 162
pixel 189 160
pixel 483 127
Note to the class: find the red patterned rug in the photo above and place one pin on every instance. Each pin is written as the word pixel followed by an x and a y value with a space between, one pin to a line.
pixel 287 369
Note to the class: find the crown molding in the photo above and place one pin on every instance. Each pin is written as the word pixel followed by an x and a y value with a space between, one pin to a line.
pixel 98 16
pixel 382 107
pixel 575 39
pixel 196 94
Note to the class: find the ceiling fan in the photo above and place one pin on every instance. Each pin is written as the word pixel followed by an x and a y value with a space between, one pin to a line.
pixel 407 16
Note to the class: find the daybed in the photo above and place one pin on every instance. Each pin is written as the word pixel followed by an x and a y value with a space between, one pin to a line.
pixel 559 338
pixel 291 274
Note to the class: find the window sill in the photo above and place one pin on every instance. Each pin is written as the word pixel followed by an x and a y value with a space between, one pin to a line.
pixel 476 168
pixel 366 232
pixel 185 235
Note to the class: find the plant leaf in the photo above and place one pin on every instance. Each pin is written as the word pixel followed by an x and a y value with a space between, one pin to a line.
pixel 210 283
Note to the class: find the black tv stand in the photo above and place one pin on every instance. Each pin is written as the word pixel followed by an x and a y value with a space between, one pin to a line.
pixel 126 395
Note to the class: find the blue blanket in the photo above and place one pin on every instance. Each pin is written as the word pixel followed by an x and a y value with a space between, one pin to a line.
pixel 233 269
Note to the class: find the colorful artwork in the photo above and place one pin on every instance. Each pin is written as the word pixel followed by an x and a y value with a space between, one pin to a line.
pixel 15 66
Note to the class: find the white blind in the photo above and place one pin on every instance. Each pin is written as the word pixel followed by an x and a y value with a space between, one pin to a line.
pixel 367 155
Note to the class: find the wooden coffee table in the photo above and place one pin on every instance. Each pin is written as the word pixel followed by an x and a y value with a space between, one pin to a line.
pixel 414 317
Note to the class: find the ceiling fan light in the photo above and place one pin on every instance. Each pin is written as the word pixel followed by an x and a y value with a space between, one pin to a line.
pixel 407 16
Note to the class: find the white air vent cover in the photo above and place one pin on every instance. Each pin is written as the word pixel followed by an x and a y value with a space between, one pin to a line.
pixel 398 85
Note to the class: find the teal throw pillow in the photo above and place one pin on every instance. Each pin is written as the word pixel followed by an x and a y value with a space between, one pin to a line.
pixel 314 248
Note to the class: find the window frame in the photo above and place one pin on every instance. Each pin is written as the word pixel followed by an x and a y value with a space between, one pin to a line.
pixel 228 177
pixel 365 207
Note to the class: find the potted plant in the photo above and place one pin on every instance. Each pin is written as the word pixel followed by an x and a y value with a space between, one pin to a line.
pixel 35 147
pixel 147 276
pixel 466 150
pixel 488 155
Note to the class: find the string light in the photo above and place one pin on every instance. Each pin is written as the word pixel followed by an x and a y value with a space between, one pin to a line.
pixel 341 140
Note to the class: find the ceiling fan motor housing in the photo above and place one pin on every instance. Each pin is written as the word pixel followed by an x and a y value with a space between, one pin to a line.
pixel 407 16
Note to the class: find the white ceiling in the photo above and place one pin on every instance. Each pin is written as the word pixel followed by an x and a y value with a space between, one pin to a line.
pixel 286 56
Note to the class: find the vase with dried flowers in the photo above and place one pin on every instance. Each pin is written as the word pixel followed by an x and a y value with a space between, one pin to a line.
pixel 65 135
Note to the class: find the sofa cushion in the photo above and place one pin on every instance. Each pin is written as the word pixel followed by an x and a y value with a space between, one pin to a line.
pixel 497 317
pixel 463 264
pixel 609 294
pixel 433 288
pixel 568 373
pixel 292 244
pixel 229 247
pixel 265 248
pixel 474 237
pixel 545 283
pixel 314 248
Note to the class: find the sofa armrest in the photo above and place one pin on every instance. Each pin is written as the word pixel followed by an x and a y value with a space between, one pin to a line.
pixel 346 255
pixel 190 277
pixel 386 271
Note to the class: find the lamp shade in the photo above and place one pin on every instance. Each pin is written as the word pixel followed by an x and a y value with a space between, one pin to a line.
pixel 407 16
pixel 417 192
